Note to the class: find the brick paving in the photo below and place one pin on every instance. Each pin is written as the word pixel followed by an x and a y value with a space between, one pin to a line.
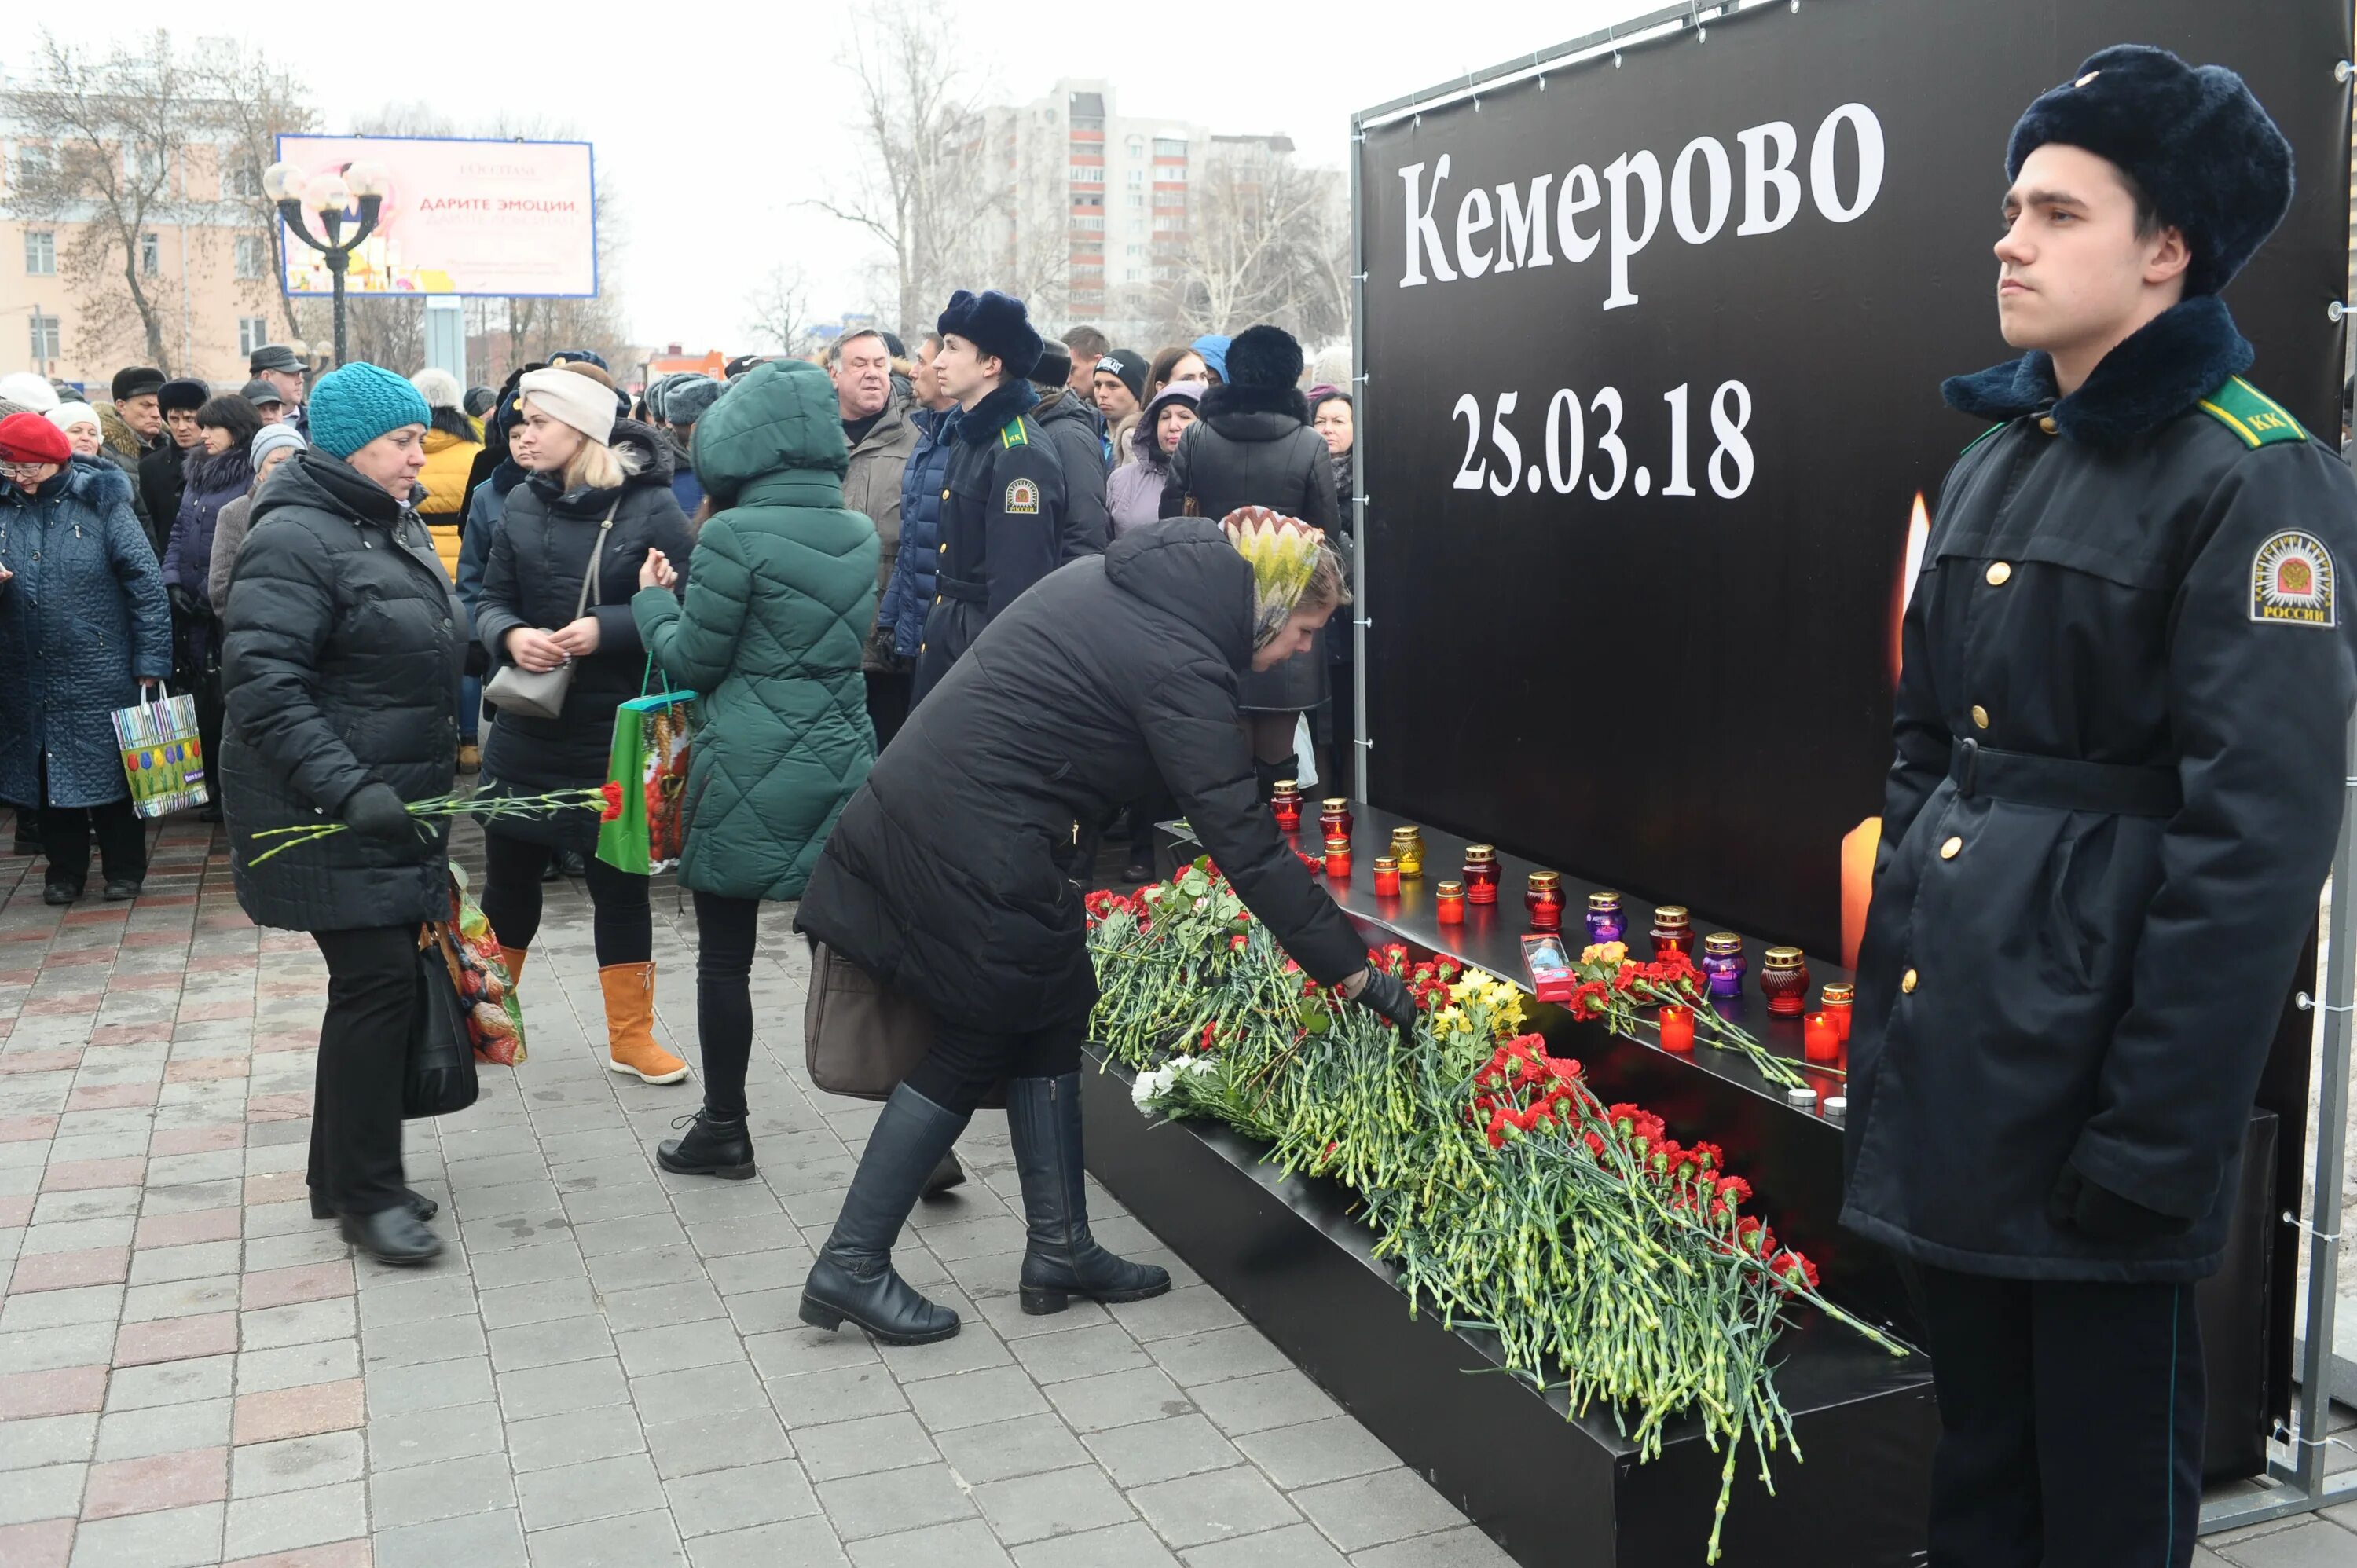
pixel 606 1368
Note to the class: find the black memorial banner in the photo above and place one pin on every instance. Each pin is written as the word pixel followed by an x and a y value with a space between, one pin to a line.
pixel 1654 354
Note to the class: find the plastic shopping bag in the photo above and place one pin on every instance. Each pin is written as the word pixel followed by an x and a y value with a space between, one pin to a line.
pixel 479 975
pixel 649 760
pixel 162 758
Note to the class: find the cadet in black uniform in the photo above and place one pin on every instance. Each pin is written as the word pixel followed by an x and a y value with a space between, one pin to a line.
pixel 1002 497
pixel 2118 781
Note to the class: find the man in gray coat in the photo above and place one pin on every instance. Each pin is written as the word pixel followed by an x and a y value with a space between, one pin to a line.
pixel 881 437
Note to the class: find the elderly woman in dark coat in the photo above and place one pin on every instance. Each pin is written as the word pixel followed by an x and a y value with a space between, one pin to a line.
pixel 947 877
pixel 82 623
pixel 343 651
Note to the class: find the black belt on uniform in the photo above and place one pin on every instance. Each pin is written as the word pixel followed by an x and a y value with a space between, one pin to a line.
pixel 2064 783
pixel 951 587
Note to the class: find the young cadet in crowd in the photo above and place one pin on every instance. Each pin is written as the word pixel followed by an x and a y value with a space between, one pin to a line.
pixel 2119 734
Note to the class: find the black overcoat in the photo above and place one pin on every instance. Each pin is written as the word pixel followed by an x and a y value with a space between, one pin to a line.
pixel 1002 525
pixel 2118 780
pixel 947 875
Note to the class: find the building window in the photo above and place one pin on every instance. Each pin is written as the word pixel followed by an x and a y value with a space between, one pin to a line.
pixel 1137 198
pixel 41 252
pixel 253 332
pixel 1169 147
pixel 151 255
pixel 1137 177
pixel 143 163
pixel 1088 174
pixel 45 338
pixel 32 165
pixel 240 178
pixel 251 260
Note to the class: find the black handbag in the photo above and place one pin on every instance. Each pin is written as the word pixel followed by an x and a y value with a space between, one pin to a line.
pixel 439 1077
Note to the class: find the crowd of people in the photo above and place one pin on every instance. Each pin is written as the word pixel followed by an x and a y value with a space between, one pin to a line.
pixel 1066 576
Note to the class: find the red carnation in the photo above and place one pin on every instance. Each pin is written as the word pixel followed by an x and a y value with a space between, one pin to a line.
pixel 1734 1190
pixel 613 808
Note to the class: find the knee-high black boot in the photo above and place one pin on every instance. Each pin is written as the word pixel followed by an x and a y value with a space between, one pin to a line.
pixel 1269 773
pixel 1060 1259
pixel 852 1276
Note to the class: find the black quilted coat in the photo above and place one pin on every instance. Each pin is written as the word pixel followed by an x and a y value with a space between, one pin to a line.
pixel 947 875
pixel 340 668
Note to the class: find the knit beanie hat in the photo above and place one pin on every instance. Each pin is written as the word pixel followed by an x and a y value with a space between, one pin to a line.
pixel 28 437
pixel 32 391
pixel 1213 346
pixel 1127 365
pixel 1283 554
pixel 136 381
pixel 354 405
pixel 440 389
pixel 271 437
pixel 580 402
pixel 66 415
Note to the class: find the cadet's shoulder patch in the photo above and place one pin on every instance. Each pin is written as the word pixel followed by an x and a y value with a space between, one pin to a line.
pixel 2252 414
pixel 2291 580
pixel 1023 498
pixel 1012 433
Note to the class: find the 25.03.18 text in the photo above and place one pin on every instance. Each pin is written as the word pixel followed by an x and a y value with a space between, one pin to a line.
pixel 1728 469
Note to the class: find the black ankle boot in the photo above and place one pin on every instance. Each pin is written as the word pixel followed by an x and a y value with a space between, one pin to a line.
pixel 947 1174
pixel 1060 1259
pixel 853 1277
pixel 392 1235
pixel 420 1205
pixel 712 1147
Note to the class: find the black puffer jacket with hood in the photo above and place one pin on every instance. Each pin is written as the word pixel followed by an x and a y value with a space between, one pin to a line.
pixel 947 876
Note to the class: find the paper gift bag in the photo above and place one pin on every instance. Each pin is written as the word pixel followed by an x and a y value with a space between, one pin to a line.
pixel 161 755
pixel 649 760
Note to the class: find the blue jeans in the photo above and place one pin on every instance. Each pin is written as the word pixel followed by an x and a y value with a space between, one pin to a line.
pixel 470 707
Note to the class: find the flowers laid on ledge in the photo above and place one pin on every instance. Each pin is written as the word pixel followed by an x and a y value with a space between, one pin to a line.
pixel 1609 1260
pixel 1613 986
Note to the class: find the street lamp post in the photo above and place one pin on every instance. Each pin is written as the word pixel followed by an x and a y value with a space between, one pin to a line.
pixel 330 196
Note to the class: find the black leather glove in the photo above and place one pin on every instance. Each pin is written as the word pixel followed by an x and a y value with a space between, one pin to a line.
pixel 2100 1214
pixel 375 809
pixel 1386 996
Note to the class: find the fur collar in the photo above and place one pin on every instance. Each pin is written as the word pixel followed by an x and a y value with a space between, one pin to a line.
pixel 985 419
pixel 2162 369
pixel 1229 399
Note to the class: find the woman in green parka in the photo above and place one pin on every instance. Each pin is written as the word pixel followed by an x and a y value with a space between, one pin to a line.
pixel 781 590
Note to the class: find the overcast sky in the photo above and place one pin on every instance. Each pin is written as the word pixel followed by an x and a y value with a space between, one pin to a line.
pixel 713 119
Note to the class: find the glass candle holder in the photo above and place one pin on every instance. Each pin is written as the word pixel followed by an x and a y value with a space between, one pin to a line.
pixel 1543 897
pixel 1334 817
pixel 1480 873
pixel 1722 960
pixel 1673 930
pixel 1677 1028
pixel 1820 1038
pixel 1839 998
pixel 1605 923
pixel 1407 848
pixel 1338 854
pixel 1387 876
pixel 1448 903
pixel 1284 799
pixel 1784 978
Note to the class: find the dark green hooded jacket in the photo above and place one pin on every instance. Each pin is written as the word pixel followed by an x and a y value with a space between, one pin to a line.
pixel 782 591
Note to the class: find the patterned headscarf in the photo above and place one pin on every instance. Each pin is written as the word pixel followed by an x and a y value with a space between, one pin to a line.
pixel 1283 554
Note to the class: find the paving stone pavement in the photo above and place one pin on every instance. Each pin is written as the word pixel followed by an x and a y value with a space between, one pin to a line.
pixel 606 1368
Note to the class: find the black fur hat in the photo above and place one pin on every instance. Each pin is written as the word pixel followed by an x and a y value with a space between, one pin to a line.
pixel 1263 356
pixel 996 324
pixel 2192 136
pixel 1055 366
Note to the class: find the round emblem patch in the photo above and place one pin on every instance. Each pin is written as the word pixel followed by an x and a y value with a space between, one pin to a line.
pixel 2291 580
pixel 1022 498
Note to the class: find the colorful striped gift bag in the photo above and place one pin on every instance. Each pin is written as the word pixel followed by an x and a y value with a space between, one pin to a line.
pixel 161 755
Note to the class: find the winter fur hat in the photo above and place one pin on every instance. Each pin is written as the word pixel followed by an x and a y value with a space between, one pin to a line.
pixel 1263 357
pixel 1055 366
pixel 996 324
pixel 136 381
pixel 28 437
pixel 689 397
pixel 2192 136
pixel 355 403
pixel 578 401
pixel 440 389
pixel 33 392
pixel 183 396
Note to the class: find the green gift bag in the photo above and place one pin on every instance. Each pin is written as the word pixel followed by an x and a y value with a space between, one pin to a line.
pixel 648 760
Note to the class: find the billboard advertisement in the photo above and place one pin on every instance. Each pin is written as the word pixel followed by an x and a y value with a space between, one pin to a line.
pixel 459 217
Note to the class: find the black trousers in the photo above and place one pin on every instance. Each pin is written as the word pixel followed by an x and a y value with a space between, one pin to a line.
pixel 65 832
pixel 887 703
pixel 376 1008
pixel 963 1063
pixel 724 932
pixel 620 922
pixel 2071 1422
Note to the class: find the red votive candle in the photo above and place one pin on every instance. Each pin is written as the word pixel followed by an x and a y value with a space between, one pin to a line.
pixel 1480 873
pixel 1448 903
pixel 1840 999
pixel 1284 799
pixel 1387 876
pixel 1820 1038
pixel 1337 855
pixel 1677 1028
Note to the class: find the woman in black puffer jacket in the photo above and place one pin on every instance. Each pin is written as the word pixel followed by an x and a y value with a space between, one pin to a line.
pixel 1250 445
pixel 339 665
pixel 599 488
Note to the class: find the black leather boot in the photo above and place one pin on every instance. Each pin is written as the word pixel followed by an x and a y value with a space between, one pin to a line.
pixel 946 1175
pixel 1060 1259
pixel 852 1276
pixel 420 1205
pixel 712 1147
pixel 1270 774
pixel 392 1235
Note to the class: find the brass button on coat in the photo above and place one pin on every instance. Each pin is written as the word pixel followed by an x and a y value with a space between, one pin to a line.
pixel 1980 716
pixel 1952 848
pixel 1999 574
pixel 1907 982
pixel 2046 422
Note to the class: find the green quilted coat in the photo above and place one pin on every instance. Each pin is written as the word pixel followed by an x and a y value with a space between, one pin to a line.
pixel 782 591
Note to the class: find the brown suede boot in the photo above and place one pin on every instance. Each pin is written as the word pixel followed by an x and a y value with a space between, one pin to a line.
pixel 513 958
pixel 630 991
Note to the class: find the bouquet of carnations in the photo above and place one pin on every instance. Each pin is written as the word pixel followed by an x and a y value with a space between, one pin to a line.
pixel 606 800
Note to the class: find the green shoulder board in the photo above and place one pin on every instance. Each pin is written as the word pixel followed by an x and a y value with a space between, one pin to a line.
pixel 1011 434
pixel 2252 414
